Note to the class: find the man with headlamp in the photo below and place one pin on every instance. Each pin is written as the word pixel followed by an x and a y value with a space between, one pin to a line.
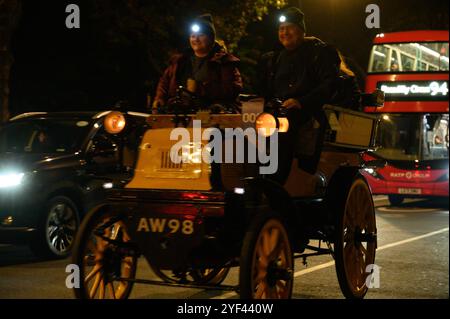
pixel 302 73
pixel 206 70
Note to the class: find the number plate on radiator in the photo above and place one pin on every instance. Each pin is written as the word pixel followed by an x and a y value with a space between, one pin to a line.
pixel 166 225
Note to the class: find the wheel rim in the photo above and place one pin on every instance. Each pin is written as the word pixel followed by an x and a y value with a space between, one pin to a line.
pixel 272 263
pixel 61 228
pixel 103 265
pixel 359 237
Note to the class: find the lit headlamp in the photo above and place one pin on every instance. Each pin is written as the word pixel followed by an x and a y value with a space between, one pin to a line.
pixel 266 124
pixel 195 28
pixel 114 122
pixel 282 18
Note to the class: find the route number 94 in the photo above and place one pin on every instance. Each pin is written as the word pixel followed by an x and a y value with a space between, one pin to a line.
pixel 164 225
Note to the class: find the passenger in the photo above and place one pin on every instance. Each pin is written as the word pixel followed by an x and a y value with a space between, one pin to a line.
pixel 43 143
pixel 205 69
pixel 302 74
pixel 394 66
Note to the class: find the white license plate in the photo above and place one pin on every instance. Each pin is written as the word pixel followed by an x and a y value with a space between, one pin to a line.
pixel 414 191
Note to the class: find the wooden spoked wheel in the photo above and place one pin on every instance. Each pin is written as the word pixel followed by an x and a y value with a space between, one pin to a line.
pixel 103 262
pixel 356 241
pixel 266 270
pixel 212 276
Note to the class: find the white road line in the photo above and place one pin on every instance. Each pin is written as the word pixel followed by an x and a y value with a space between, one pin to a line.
pixel 318 267
pixel 331 263
pixel 443 230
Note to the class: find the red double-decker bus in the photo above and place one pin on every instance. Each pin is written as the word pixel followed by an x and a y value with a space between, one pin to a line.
pixel 413 137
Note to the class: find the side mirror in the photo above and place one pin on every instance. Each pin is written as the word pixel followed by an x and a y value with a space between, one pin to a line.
pixel 378 163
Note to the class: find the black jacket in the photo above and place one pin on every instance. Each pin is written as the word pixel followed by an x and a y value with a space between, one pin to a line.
pixel 310 76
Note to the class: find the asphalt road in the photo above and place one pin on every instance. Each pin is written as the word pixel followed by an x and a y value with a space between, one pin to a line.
pixel 413 256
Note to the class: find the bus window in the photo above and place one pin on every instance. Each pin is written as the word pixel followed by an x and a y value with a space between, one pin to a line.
pixel 379 54
pixel 437 136
pixel 394 62
pixel 410 57
pixel 422 66
pixel 407 63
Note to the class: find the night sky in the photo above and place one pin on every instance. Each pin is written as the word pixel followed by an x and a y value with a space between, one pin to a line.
pixel 60 69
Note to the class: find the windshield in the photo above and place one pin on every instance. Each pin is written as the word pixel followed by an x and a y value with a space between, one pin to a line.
pixel 413 136
pixel 409 57
pixel 43 136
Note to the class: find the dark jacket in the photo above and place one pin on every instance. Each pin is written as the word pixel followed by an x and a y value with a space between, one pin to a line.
pixel 348 93
pixel 310 78
pixel 223 84
pixel 308 74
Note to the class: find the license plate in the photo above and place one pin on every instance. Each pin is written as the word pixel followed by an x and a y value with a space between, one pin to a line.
pixel 166 225
pixel 413 191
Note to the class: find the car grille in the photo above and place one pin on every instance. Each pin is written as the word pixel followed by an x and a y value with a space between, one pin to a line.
pixel 166 161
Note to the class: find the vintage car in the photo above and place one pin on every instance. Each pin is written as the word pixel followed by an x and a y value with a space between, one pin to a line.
pixel 54 167
pixel 193 220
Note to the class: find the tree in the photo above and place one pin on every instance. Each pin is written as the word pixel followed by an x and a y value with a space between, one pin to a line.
pixel 9 16
pixel 160 26
pixel 118 53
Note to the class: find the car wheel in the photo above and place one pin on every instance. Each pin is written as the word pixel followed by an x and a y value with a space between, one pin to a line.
pixel 57 228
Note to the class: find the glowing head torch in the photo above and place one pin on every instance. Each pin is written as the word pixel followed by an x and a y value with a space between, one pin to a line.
pixel 282 18
pixel 195 28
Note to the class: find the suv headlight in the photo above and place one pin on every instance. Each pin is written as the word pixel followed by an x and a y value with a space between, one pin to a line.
pixel 11 179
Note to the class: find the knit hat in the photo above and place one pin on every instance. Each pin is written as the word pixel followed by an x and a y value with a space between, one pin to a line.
pixel 293 15
pixel 204 24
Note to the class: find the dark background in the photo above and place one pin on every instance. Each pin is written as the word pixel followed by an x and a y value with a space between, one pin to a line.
pixel 118 54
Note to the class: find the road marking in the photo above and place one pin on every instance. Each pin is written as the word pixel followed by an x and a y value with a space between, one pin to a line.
pixel 443 230
pixel 308 270
pixel 331 263
pixel 407 210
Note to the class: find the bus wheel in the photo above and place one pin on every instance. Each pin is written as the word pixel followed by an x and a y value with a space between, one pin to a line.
pixel 266 263
pixel 103 257
pixel 395 200
pixel 355 241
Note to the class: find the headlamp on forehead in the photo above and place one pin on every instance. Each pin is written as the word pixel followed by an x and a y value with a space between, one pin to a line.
pixel 282 18
pixel 195 28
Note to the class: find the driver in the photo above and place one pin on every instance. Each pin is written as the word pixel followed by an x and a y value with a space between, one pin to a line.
pixel 206 70
pixel 302 73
